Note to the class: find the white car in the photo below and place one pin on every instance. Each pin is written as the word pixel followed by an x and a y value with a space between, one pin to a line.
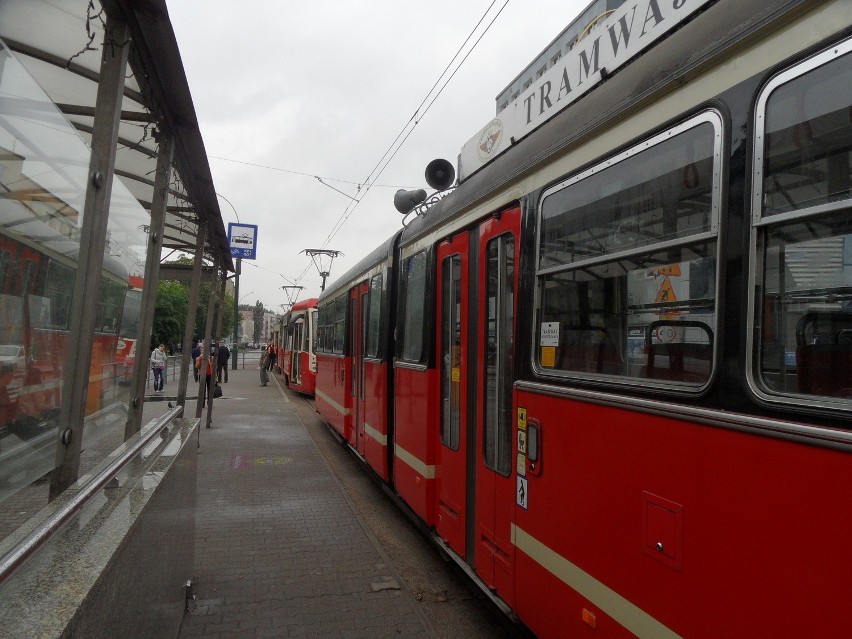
pixel 11 357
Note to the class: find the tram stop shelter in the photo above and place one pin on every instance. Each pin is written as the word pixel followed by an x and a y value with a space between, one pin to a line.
pixel 104 176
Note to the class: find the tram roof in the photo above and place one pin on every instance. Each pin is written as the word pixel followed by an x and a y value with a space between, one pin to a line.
pixel 51 41
pixel 672 61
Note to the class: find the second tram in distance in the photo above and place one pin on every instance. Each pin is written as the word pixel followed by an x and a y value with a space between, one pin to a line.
pixel 296 357
pixel 611 372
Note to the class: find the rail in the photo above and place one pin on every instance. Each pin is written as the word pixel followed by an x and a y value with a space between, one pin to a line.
pixel 13 559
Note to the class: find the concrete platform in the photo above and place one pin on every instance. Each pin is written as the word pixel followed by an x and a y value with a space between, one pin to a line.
pixel 280 551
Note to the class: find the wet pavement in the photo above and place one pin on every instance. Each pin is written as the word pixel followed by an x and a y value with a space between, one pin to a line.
pixel 280 551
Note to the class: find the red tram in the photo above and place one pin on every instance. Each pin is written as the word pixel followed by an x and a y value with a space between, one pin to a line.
pixel 296 357
pixel 611 371
pixel 36 285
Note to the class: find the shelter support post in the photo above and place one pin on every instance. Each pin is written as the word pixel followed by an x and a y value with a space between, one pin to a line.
pixel 152 277
pixel 238 266
pixel 87 279
pixel 189 329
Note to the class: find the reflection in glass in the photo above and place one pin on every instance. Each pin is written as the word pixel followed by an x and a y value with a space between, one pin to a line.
pixel 43 181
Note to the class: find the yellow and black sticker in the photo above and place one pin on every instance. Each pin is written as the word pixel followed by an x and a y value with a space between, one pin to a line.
pixel 522 418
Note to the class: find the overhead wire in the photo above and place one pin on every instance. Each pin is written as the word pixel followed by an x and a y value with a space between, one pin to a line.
pixel 406 131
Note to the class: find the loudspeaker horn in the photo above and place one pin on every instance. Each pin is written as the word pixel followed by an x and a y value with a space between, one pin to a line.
pixel 404 200
pixel 440 174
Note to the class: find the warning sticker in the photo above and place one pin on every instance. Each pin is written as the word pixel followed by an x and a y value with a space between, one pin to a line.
pixel 521 492
pixel 666 292
pixel 522 465
pixel 522 418
pixel 522 441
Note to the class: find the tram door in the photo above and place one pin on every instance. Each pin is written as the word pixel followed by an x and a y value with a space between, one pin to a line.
pixel 295 352
pixel 358 303
pixel 452 467
pixel 495 483
pixel 477 280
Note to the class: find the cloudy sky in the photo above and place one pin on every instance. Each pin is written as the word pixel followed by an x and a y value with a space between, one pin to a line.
pixel 290 91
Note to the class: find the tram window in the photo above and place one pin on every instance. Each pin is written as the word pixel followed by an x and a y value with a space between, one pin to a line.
pixel 413 310
pixel 627 262
pixel 324 319
pixel 110 303
pixel 804 302
pixel 499 353
pixel 808 139
pixel 451 354
pixel 339 324
pixel 5 268
pixel 314 315
pixel 374 317
pixel 58 288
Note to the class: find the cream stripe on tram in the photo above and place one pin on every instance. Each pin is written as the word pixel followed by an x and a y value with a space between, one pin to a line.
pixel 421 467
pixel 340 409
pixel 610 602
pixel 372 432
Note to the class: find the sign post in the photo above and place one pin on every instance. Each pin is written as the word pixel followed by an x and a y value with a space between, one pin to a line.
pixel 242 240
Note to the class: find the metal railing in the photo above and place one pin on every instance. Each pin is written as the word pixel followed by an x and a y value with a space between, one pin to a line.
pixel 13 559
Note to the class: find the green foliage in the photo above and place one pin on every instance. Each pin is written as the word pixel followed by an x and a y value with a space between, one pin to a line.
pixel 201 313
pixel 169 314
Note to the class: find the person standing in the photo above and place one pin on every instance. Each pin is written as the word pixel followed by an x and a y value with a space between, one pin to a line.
pixel 158 366
pixel 222 357
pixel 207 365
pixel 196 351
pixel 264 363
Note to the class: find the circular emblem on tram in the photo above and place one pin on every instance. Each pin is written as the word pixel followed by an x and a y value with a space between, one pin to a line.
pixel 490 139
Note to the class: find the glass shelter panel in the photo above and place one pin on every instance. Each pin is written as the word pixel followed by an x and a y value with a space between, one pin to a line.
pixel 43 179
pixel 627 262
pixel 803 232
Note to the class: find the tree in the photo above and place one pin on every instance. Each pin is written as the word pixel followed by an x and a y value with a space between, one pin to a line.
pixel 201 312
pixel 170 313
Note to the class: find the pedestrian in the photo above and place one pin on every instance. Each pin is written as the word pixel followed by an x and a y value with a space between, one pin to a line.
pixel 208 364
pixel 272 354
pixel 264 363
pixel 222 357
pixel 158 366
pixel 196 351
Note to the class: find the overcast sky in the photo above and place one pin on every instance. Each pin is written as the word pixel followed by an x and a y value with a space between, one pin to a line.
pixel 287 91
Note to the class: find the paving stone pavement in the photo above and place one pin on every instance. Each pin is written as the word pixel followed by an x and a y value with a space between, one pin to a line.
pixel 279 550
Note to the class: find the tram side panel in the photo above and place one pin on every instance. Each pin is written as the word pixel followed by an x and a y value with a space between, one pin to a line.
pixel 695 529
pixel 330 392
pixel 415 434
pixel 376 388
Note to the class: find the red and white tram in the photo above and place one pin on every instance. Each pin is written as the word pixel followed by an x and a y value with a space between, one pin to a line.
pixel 612 371
pixel 296 357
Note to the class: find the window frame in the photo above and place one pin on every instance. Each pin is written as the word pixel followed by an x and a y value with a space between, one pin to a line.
pixel 760 226
pixel 712 234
